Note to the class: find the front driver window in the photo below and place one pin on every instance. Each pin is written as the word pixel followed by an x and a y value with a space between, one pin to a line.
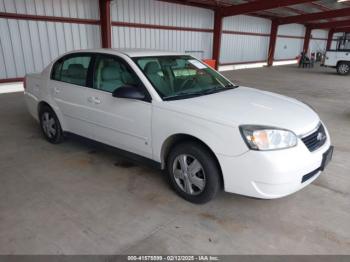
pixel 110 73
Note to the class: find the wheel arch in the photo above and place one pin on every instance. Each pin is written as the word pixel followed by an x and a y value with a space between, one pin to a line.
pixel 43 103
pixel 176 139
pixel 342 61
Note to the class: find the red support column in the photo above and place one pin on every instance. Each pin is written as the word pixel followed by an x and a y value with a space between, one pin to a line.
pixel 272 45
pixel 329 39
pixel 106 25
pixel 217 37
pixel 307 39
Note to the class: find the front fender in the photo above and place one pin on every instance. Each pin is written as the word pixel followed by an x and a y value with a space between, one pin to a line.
pixel 220 138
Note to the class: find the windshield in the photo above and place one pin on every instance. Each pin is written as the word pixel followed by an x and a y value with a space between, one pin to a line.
pixel 179 77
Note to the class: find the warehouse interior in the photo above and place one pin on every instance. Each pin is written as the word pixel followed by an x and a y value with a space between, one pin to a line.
pixel 81 197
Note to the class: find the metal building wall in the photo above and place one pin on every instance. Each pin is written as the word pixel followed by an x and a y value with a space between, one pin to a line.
pixel 290 41
pixel 145 24
pixel 28 46
pixel 244 39
pixel 318 42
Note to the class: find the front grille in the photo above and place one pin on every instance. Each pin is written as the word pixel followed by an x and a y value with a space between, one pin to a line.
pixel 316 139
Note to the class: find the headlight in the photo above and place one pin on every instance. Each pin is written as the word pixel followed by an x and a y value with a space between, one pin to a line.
pixel 267 138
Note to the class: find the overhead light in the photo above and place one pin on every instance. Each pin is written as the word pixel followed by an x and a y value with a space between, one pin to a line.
pixel 339 1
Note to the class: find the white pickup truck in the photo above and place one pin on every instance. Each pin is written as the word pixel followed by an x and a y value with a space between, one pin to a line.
pixel 339 57
pixel 339 60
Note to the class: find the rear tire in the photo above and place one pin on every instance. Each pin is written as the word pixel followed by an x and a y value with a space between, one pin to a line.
pixel 193 172
pixel 50 125
pixel 343 68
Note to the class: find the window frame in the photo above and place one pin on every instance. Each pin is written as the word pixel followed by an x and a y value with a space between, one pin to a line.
pixel 62 59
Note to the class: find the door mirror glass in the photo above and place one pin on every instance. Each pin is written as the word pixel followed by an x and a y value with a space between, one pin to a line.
pixel 130 92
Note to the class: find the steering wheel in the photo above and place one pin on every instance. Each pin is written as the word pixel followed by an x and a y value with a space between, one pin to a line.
pixel 188 83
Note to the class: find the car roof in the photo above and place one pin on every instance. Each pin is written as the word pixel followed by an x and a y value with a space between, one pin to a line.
pixel 137 52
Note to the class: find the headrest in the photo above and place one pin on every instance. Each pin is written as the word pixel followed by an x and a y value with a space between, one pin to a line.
pixel 76 70
pixel 152 68
pixel 111 72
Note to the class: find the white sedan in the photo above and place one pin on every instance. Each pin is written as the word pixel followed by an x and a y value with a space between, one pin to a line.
pixel 176 111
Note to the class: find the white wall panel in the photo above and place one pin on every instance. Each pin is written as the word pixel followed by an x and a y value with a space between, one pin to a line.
pixel 154 12
pixel 236 48
pixel 66 8
pixel 317 46
pixel 198 44
pixel 28 46
pixel 161 13
pixel 289 47
pixel 292 30
pixel 243 48
pixel 243 23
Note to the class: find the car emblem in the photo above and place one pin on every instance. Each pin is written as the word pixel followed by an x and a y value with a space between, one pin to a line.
pixel 320 136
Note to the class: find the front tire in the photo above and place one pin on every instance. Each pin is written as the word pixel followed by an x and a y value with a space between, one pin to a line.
pixel 343 68
pixel 193 172
pixel 50 125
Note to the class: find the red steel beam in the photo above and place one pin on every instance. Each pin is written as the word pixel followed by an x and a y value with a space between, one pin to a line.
pixel 307 39
pixel 342 30
pixel 259 5
pixel 343 23
pixel 164 27
pixel 330 38
pixel 315 16
pixel 106 25
pixel 11 80
pixel 272 44
pixel 217 37
pixel 195 4
pixel 48 18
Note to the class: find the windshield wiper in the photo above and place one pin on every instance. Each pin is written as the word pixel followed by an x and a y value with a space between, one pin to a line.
pixel 184 94
pixel 217 89
pixel 181 95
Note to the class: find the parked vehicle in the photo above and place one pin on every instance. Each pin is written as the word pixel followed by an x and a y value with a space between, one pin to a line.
pixel 169 107
pixel 339 58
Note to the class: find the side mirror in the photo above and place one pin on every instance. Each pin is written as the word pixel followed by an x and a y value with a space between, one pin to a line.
pixel 130 92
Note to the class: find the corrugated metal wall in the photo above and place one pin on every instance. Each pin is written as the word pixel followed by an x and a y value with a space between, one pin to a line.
pixel 320 43
pixel 250 45
pixel 28 46
pixel 290 41
pixel 64 8
pixel 165 14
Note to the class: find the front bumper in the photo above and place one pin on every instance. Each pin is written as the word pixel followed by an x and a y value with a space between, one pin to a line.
pixel 272 174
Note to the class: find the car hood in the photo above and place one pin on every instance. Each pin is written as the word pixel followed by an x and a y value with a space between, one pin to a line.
pixel 244 105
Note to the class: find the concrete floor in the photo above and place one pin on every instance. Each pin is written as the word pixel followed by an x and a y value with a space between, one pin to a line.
pixel 80 198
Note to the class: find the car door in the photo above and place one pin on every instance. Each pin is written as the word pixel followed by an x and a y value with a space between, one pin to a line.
pixel 68 84
pixel 121 122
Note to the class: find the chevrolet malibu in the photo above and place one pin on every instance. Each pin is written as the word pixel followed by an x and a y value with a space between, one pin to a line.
pixel 207 132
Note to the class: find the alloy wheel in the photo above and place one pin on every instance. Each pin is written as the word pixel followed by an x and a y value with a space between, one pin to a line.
pixel 48 124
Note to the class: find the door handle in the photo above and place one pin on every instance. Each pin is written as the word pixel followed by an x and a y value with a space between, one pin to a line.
pixel 96 100
pixel 57 90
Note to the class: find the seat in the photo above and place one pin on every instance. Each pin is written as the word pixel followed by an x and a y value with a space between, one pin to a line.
pixel 76 74
pixel 151 70
pixel 111 78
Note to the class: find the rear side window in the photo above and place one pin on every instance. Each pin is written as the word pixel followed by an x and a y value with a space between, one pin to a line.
pixel 72 69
